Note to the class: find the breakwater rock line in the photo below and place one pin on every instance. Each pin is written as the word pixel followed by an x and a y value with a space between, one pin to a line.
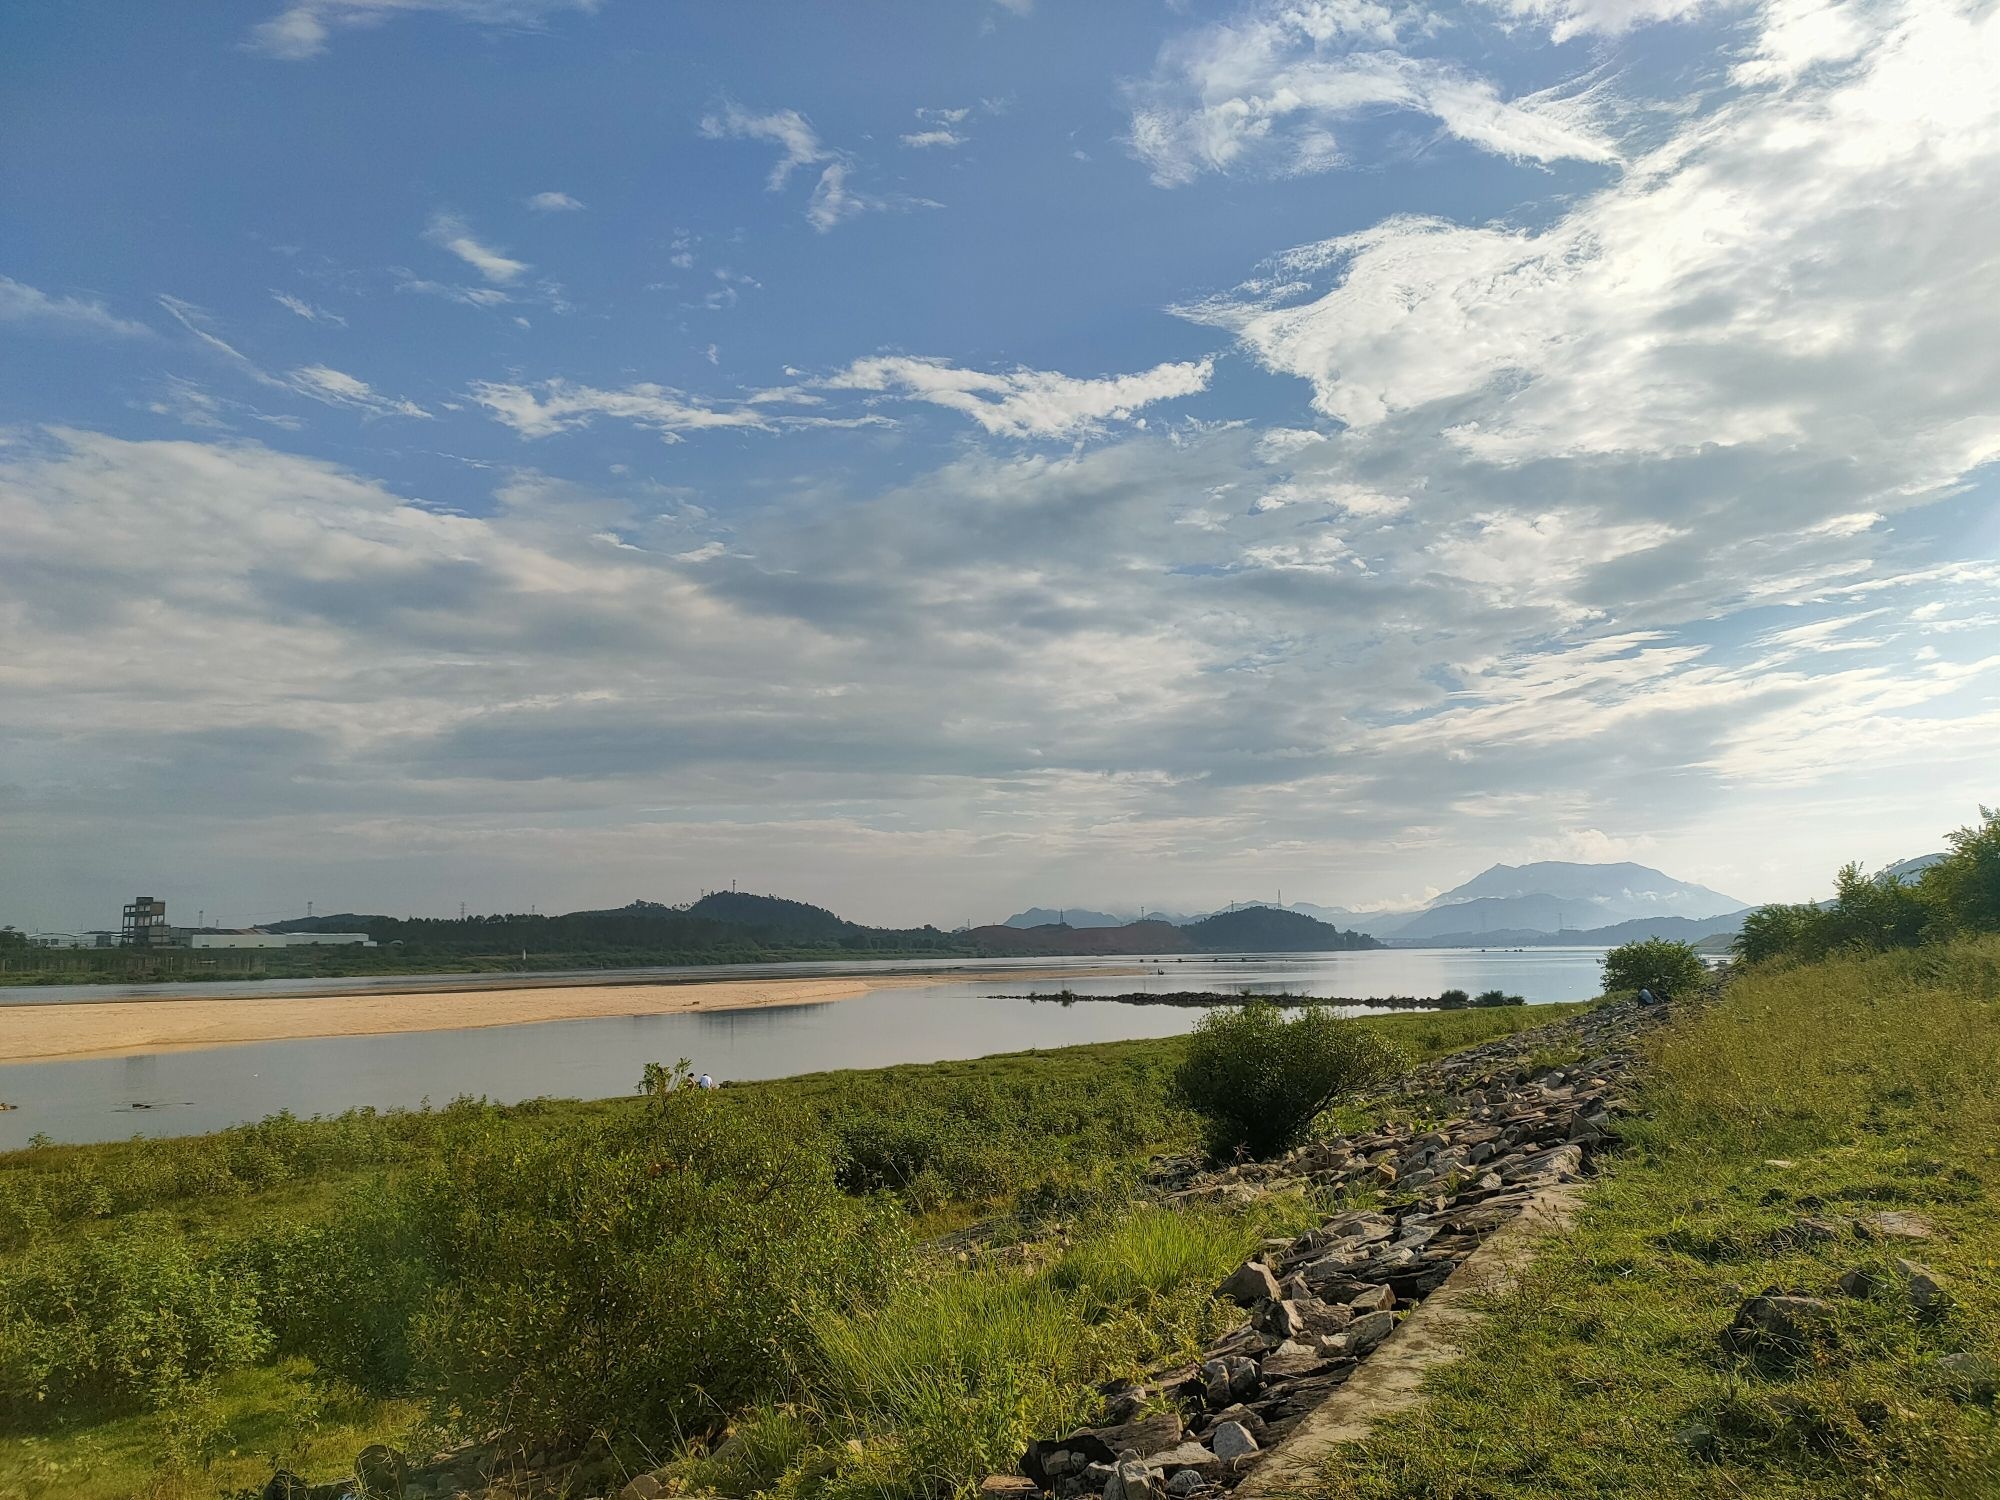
pixel 1317 1306
pixel 1209 998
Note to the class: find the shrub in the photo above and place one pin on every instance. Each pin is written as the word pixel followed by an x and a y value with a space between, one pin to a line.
pixel 1260 1080
pixel 1497 997
pixel 1452 999
pixel 118 1319
pixel 1661 965
pixel 642 1275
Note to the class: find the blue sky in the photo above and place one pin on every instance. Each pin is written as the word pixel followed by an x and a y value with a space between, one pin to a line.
pixel 928 459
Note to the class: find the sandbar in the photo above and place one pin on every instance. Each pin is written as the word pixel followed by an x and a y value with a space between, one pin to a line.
pixel 125 1028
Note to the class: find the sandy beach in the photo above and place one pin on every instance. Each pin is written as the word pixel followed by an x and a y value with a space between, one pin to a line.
pixel 124 1028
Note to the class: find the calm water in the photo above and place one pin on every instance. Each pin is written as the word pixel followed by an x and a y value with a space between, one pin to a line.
pixel 180 1093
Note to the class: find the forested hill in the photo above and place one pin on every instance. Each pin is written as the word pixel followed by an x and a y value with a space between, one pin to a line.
pixel 1267 929
pixel 725 925
pixel 1249 929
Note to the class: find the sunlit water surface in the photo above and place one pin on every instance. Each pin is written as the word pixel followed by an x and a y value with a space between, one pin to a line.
pixel 182 1093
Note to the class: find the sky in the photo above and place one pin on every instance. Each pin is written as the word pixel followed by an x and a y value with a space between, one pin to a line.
pixel 930 459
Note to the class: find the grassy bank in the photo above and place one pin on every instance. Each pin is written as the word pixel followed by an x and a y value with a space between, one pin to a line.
pixel 1832 1092
pixel 176 1317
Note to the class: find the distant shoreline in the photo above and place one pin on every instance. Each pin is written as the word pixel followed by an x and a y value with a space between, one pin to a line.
pixel 62 1031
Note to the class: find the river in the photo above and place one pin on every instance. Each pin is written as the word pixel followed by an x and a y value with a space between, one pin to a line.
pixel 183 1093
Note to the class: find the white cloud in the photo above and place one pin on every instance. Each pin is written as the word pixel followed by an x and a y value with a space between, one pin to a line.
pixel 798 143
pixel 922 139
pixel 554 203
pixel 558 406
pixel 1805 271
pixel 337 388
pixel 305 29
pixel 307 310
pixel 1565 19
pixel 21 303
pixel 834 199
pixel 470 296
pixel 450 233
pixel 1266 90
pixel 1024 403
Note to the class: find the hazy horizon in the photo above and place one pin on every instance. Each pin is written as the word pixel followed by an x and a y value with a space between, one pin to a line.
pixel 938 460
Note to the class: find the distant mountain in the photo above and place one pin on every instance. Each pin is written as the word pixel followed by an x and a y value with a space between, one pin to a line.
pixel 1682 929
pixel 1547 901
pixel 1618 890
pixel 1074 916
pixel 1909 869
pixel 1247 929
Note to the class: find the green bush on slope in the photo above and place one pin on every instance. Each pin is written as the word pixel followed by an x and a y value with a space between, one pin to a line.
pixel 1261 1080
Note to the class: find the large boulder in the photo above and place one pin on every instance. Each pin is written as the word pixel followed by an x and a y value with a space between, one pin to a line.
pixel 1232 1440
pixel 1249 1284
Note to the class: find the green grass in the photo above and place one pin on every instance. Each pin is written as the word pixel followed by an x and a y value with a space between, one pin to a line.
pixel 1838 1090
pixel 950 1379
pixel 1043 1146
pixel 247 1424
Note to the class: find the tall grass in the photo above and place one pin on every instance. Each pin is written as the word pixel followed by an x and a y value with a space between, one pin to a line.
pixel 955 1374
pixel 1802 1058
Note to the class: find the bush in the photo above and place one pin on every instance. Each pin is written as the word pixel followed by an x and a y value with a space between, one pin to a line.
pixel 1661 965
pixel 1260 1080
pixel 644 1275
pixel 1452 999
pixel 117 1320
pixel 1497 997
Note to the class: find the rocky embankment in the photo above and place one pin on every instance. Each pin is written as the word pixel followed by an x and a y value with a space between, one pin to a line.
pixel 1209 999
pixel 1317 1306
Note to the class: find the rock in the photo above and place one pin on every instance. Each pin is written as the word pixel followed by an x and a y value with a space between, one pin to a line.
pixel 1920 1288
pixel 1698 1440
pixel 1132 1480
pixel 1250 1420
pixel 1970 1377
pixel 1008 1487
pixel 1562 1164
pixel 1249 1284
pixel 1232 1440
pixel 644 1487
pixel 1374 1299
pixel 1898 1224
pixel 1143 1435
pixel 1777 1322
pixel 1385 1174
pixel 1184 1483
pixel 1290 1359
pixel 1364 1333
pixel 381 1472
pixel 1916 1281
pixel 1228 1380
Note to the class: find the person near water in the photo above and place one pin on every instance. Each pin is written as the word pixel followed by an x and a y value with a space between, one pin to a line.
pixel 704 1082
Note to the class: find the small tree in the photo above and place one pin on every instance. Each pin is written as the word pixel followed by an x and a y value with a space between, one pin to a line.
pixel 1661 965
pixel 1261 1080
pixel 1963 888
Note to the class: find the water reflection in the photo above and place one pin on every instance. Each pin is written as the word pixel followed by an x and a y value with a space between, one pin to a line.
pixel 185 1092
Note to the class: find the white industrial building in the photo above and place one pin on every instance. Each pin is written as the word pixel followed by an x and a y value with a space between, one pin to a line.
pixel 253 938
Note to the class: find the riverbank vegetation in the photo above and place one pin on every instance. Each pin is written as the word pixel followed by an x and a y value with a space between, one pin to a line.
pixel 1820 1119
pixel 743 1280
